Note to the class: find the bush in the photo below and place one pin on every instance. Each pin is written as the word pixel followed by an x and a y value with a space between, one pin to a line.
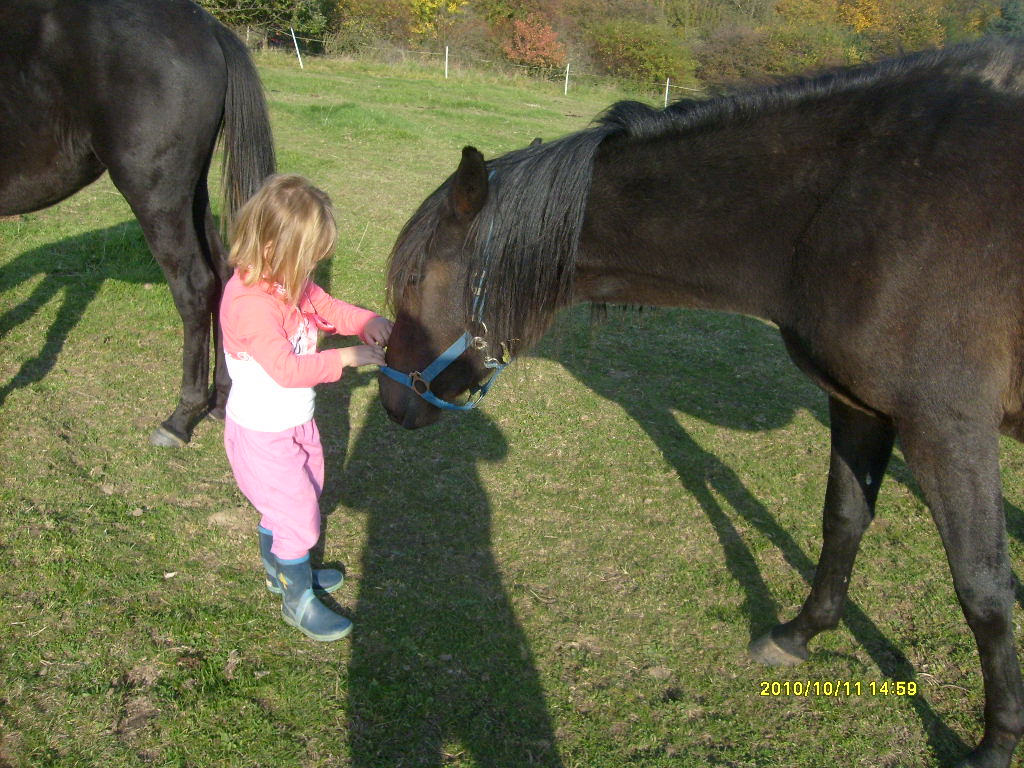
pixel 641 52
pixel 802 48
pixel 362 23
pixel 887 27
pixel 1010 20
pixel 734 54
pixel 474 38
pixel 534 43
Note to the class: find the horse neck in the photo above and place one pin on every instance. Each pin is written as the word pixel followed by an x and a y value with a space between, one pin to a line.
pixel 707 219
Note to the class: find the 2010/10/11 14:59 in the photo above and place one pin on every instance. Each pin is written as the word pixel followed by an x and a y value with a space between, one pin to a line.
pixel 836 688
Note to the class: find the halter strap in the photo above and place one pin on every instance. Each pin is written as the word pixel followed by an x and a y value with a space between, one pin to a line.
pixel 440 363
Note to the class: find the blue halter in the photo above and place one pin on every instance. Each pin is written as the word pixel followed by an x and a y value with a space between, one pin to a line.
pixel 419 382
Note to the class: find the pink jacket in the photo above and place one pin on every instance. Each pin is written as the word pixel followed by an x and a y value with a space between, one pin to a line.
pixel 271 352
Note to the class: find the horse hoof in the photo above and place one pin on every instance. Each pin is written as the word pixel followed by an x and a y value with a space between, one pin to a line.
pixel 767 651
pixel 164 438
pixel 217 413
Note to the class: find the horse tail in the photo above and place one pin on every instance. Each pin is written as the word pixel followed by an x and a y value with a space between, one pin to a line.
pixel 246 138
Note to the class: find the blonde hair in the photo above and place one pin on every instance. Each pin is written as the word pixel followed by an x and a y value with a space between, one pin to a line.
pixel 282 232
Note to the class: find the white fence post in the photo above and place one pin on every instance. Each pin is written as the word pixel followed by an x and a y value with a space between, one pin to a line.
pixel 296 41
pixel 566 78
pixel 446 62
pixel 668 81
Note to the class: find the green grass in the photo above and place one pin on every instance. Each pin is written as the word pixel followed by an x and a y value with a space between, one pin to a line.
pixel 568 576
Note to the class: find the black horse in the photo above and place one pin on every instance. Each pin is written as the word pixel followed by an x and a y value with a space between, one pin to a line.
pixel 873 214
pixel 142 89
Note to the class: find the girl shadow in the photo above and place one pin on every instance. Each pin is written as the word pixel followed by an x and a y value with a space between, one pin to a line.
pixel 440 666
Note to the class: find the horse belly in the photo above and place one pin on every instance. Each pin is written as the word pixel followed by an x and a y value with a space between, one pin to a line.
pixel 40 168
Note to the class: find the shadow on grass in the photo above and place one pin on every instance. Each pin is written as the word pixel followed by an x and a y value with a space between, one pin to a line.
pixel 74 269
pixel 733 372
pixel 440 664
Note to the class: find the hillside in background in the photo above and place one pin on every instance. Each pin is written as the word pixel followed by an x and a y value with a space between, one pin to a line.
pixel 706 43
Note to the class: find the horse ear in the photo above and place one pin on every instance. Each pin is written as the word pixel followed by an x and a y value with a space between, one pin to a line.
pixel 469 189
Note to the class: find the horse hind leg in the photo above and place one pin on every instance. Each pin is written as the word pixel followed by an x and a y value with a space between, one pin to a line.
pixel 861 447
pixel 167 217
pixel 196 294
pixel 957 465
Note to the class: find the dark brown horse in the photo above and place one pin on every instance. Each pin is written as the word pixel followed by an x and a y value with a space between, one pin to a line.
pixel 139 88
pixel 875 215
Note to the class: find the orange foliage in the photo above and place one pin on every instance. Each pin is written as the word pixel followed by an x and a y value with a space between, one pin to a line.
pixel 534 43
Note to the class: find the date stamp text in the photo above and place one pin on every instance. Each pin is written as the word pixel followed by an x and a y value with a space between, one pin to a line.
pixel 837 688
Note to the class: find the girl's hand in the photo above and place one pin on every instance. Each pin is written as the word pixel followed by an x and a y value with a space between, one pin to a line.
pixel 378 331
pixel 362 354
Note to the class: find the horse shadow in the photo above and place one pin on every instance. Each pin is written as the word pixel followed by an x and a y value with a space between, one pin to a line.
pixel 75 269
pixel 439 664
pixel 704 364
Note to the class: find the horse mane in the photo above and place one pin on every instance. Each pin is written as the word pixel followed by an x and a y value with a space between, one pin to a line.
pixel 526 237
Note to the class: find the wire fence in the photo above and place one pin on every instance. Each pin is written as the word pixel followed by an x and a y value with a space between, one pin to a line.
pixel 451 60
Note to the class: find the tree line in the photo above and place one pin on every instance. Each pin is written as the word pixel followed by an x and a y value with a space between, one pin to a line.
pixel 706 43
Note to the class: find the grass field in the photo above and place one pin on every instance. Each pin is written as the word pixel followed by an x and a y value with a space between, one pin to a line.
pixel 568 576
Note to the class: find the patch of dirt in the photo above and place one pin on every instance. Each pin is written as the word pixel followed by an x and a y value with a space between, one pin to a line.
pixel 238 520
pixel 661 674
pixel 10 744
pixel 138 709
pixel 142 675
pixel 232 664
pixel 137 713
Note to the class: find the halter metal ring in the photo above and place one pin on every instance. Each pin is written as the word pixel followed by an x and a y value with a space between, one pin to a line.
pixel 418 384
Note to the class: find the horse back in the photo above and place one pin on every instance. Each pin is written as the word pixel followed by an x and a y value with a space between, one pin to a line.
pixel 83 83
pixel 915 264
pixel 873 214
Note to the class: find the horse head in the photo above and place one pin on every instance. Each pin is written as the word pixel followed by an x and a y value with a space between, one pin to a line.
pixel 438 349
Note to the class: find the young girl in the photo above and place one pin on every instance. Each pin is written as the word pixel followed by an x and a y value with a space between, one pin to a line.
pixel 270 315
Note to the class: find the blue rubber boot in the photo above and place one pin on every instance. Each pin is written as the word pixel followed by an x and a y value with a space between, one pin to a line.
pixel 324 579
pixel 301 608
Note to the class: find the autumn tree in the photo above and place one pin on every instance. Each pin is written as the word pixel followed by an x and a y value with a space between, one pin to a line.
pixel 534 43
pixel 885 27
pixel 433 18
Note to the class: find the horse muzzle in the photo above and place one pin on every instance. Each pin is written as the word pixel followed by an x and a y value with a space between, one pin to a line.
pixel 419 382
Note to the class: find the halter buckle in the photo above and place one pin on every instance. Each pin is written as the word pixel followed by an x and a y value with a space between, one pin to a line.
pixel 418 384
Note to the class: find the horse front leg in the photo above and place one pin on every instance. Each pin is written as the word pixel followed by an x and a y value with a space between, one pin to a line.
pixel 861 447
pixel 957 465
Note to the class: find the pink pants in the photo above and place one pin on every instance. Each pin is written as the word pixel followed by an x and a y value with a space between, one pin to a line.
pixel 282 474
